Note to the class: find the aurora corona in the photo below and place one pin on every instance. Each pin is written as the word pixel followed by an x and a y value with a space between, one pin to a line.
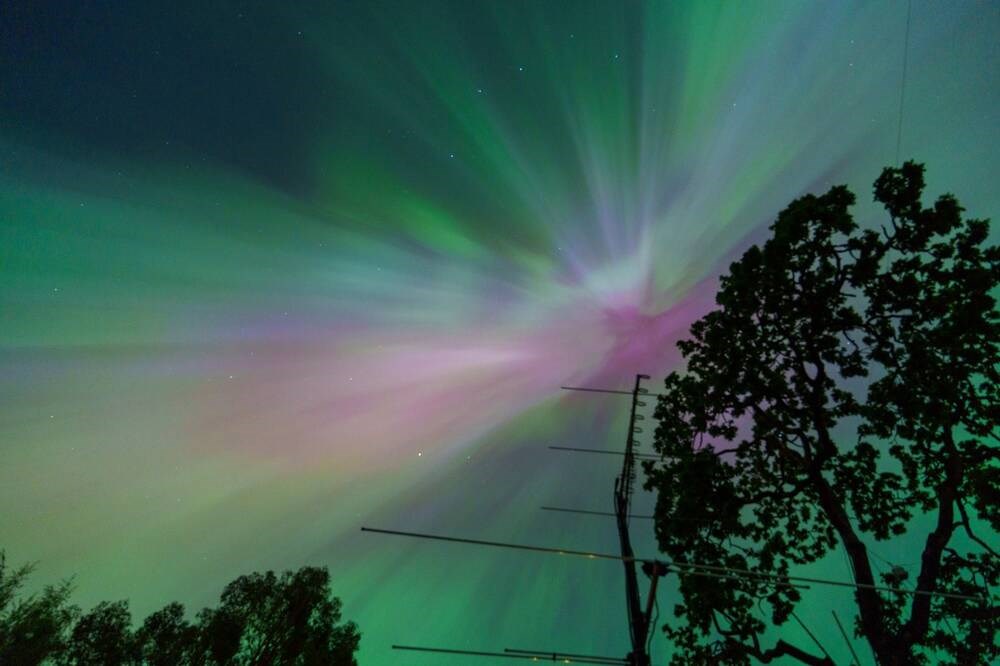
pixel 269 274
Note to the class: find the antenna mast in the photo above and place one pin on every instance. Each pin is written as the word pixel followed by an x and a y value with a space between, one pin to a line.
pixel 638 618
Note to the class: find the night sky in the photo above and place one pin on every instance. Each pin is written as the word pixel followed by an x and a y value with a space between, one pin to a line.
pixel 269 273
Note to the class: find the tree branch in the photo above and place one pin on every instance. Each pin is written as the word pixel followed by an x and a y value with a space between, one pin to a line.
pixel 930 560
pixel 780 649
pixel 968 528
pixel 869 602
pixel 783 649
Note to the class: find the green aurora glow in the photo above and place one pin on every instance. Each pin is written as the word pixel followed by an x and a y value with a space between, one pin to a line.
pixel 269 273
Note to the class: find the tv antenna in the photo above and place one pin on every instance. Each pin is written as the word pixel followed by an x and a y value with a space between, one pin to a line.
pixel 639 613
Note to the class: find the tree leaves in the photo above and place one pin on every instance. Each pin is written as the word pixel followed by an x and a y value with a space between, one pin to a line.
pixel 772 441
pixel 262 619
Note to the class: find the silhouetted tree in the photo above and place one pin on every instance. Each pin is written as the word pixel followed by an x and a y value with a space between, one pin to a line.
pixel 102 637
pixel 287 620
pixel 262 619
pixel 35 628
pixel 219 636
pixel 166 638
pixel 845 391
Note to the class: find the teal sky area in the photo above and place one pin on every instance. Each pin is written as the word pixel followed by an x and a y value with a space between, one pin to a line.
pixel 273 271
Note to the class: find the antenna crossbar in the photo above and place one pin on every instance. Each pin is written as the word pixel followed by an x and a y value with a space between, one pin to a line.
pixel 646 456
pixel 588 389
pixel 594 513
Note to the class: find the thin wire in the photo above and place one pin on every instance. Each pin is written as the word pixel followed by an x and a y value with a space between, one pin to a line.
pixel 950 627
pixel 850 563
pixel 890 562
pixel 902 81
pixel 571 655
pixel 550 656
pixel 846 640
pixel 681 572
pixel 822 581
pixel 500 544
pixel 815 640
pixel 686 568
pixel 652 626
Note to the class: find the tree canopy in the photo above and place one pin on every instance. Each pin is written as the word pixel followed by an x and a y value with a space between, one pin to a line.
pixel 844 392
pixel 262 619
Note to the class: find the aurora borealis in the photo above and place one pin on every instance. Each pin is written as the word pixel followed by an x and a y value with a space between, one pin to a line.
pixel 269 273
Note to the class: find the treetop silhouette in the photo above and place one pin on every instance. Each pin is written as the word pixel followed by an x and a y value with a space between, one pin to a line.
pixel 262 619
pixel 844 392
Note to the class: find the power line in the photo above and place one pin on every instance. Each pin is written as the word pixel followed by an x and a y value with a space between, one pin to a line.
pixel 687 568
pixel 683 569
pixel 813 637
pixel 763 577
pixel 499 544
pixel 540 656
pixel 571 655
pixel 846 640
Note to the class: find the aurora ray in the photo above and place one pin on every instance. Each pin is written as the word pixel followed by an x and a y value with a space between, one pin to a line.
pixel 269 273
